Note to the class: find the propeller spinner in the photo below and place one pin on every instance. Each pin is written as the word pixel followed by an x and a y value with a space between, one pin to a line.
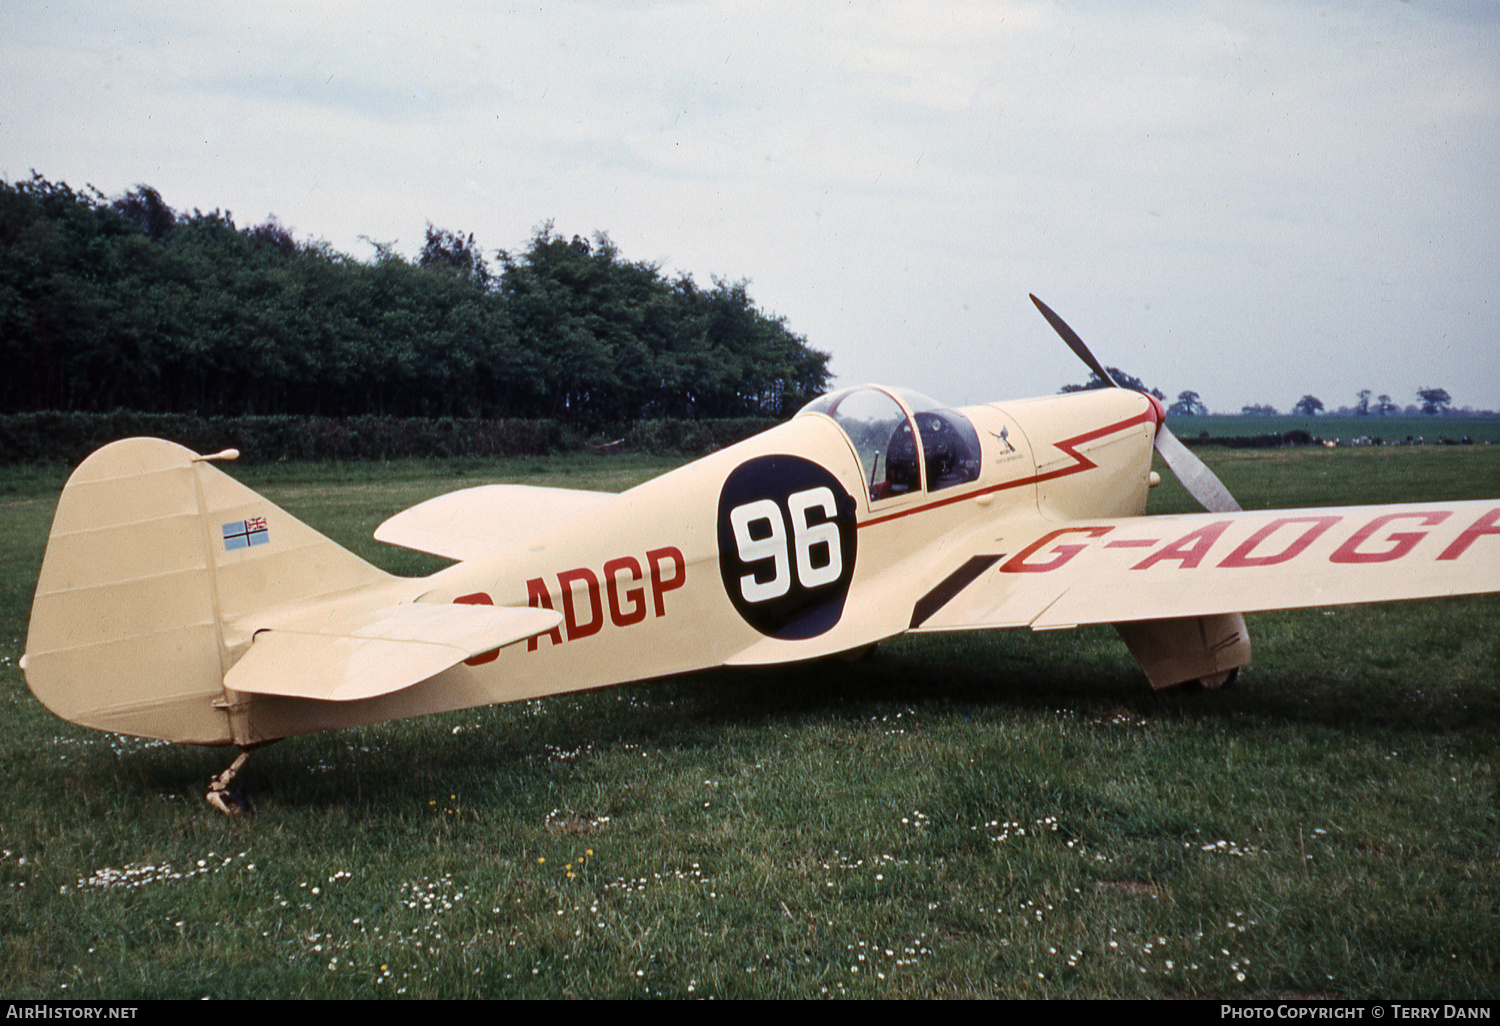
pixel 1201 483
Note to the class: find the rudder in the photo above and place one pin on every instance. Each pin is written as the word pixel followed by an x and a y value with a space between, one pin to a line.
pixel 153 557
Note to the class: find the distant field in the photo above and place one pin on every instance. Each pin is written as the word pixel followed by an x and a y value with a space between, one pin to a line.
pixel 1391 429
pixel 999 814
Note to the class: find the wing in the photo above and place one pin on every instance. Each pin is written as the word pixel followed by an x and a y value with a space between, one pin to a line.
pixel 1045 574
pixel 346 656
pixel 471 522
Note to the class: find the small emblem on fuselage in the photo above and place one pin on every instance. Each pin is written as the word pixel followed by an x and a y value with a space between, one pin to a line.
pixel 244 533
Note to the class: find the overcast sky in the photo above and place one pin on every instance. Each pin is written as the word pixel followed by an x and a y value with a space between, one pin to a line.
pixel 1253 200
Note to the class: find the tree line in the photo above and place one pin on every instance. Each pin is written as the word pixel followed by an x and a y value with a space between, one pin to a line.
pixel 126 303
pixel 1434 402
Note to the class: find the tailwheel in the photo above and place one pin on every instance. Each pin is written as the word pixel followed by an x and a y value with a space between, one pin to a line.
pixel 231 803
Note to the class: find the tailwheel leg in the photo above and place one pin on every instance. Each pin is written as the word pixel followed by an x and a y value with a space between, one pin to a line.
pixel 229 802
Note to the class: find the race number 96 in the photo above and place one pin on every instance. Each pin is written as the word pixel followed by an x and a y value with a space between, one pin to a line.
pixel 786 545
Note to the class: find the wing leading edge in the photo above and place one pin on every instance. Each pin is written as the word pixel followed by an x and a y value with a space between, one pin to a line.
pixel 1046 575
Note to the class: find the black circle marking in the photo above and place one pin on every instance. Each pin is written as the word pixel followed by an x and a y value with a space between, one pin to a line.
pixel 786 545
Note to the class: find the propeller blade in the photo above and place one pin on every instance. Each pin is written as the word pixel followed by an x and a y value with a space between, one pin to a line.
pixel 1074 342
pixel 1201 483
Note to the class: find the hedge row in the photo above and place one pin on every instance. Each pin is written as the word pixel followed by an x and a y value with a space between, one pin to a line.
pixel 691 437
pixel 1268 441
pixel 55 437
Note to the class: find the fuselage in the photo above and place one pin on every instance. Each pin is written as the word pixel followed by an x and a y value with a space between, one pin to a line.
pixel 789 545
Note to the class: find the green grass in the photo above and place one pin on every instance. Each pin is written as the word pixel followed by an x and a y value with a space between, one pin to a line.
pixel 988 814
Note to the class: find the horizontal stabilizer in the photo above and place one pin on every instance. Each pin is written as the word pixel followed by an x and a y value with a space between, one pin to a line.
pixel 471 522
pixel 347 657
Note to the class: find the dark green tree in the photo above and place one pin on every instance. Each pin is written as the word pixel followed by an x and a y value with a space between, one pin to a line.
pixel 1434 400
pixel 1188 404
pixel 129 304
pixel 455 252
pixel 144 208
pixel 1120 378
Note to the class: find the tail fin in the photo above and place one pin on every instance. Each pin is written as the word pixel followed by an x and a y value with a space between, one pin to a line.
pixel 153 556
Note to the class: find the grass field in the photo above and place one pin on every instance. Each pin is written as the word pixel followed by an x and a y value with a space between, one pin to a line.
pixel 997 814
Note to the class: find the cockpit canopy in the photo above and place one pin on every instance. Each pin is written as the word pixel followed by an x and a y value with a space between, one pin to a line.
pixel 879 424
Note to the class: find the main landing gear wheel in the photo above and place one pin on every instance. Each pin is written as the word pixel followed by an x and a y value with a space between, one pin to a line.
pixel 1217 681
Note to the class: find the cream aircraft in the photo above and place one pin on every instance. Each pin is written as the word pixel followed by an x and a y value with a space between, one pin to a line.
pixel 175 603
